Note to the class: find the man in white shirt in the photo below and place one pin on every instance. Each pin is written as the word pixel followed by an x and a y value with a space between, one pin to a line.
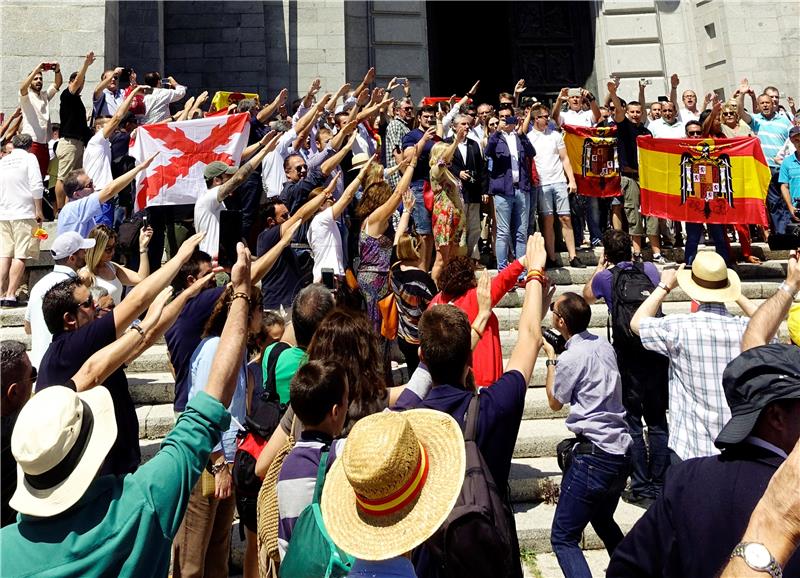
pixel 35 105
pixel 69 255
pixel 156 104
pixel 272 174
pixel 669 125
pixel 221 181
pixel 20 212
pixel 556 181
pixel 575 115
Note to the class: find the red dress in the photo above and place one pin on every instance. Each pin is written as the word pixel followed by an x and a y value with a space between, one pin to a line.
pixel 487 358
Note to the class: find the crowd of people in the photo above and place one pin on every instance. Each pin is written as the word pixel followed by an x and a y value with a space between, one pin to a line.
pixel 373 221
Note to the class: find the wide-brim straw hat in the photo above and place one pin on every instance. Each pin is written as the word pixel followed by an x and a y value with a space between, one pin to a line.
pixel 60 440
pixel 359 160
pixel 709 280
pixel 384 457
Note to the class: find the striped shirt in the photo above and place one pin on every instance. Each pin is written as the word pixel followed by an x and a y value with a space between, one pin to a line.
pixel 395 131
pixel 414 289
pixel 772 133
pixel 699 346
pixel 297 479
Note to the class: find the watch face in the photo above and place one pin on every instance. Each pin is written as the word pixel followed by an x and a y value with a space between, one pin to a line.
pixel 757 556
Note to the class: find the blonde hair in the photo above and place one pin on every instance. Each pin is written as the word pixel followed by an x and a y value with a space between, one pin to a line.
pixel 373 175
pixel 441 177
pixel 101 235
pixel 730 106
pixel 408 247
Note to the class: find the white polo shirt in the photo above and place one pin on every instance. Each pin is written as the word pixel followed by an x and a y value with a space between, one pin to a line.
pixel 576 118
pixel 97 160
pixel 206 218
pixel 40 334
pixel 20 184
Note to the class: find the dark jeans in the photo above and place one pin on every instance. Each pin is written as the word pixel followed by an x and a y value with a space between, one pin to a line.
pixel 778 212
pixel 163 220
pixel 693 233
pixel 649 460
pixel 411 353
pixel 246 199
pixel 590 493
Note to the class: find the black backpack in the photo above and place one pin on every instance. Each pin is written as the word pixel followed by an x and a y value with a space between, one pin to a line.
pixel 478 538
pixel 630 287
pixel 264 419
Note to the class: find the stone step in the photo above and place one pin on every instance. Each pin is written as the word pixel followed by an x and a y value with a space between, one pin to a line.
pixel 533 479
pixel 151 388
pixel 534 521
pixel 538 438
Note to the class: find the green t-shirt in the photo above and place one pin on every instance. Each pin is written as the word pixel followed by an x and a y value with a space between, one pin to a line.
pixel 288 363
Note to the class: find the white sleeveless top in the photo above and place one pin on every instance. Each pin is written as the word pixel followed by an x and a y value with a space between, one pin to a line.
pixel 114 287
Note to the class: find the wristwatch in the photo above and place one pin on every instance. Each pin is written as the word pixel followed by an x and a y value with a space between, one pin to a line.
pixel 758 558
pixel 550 362
pixel 663 286
pixel 784 286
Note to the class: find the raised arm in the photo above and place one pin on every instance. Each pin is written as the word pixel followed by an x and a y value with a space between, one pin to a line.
pixel 340 137
pixel 744 88
pixel 649 308
pixel 519 88
pixel 326 168
pixel 263 264
pixel 708 123
pixel 143 294
pixel 315 112
pixel 122 110
pixel 343 90
pixel 619 111
pixel 369 77
pixel 104 82
pixel 641 97
pixel 484 294
pixel 244 171
pixel 23 88
pixel 529 340
pixel 271 109
pixel 122 181
pixel 674 81
pixel 764 323
pixel 76 84
pixel 593 106
pixel 555 114
pixel 405 218
pixel 130 278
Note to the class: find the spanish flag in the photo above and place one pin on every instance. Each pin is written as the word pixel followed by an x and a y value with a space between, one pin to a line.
pixel 716 181
pixel 593 155
pixel 222 99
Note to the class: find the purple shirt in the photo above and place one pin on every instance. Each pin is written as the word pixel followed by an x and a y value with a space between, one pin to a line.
pixel 601 284
pixel 588 380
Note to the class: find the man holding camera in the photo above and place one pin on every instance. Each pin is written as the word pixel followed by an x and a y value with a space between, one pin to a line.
pixel 35 106
pixel 157 100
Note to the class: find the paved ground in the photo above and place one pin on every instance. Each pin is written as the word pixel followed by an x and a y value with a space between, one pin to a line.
pixel 548 566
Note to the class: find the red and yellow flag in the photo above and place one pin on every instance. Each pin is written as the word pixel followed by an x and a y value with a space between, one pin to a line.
pixel 717 181
pixel 593 155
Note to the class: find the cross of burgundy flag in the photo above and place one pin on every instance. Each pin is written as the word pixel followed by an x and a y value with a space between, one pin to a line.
pixel 183 150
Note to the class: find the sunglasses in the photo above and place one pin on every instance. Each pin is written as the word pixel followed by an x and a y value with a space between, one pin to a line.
pixel 88 304
pixel 32 378
pixel 543 116
pixel 553 310
pixel 694 133
pixel 728 114
pixel 299 168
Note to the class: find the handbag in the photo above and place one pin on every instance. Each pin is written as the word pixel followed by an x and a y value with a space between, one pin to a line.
pixel 427 196
pixel 390 317
pixel 311 552
pixel 564 453
pixel 207 484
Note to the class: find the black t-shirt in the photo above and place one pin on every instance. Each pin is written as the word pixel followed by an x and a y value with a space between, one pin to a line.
pixel 8 481
pixel 184 337
pixel 626 143
pixel 73 117
pixel 422 172
pixel 62 360
pixel 282 281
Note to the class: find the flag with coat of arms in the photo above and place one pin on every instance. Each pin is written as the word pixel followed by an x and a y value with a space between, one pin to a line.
pixel 183 149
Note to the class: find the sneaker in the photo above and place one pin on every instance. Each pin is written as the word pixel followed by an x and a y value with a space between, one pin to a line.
pixel 551 264
pixel 659 259
pixel 597 242
pixel 637 258
pixel 11 303
pixel 577 263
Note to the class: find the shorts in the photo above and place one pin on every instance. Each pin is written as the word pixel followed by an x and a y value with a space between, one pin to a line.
pixel 553 199
pixel 70 156
pixel 16 238
pixel 638 224
pixel 246 507
pixel 422 216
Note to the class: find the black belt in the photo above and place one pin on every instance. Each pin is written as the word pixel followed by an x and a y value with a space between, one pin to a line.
pixel 589 448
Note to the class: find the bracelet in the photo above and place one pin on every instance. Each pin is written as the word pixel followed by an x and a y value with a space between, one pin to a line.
pixel 785 287
pixel 478 333
pixel 241 295
pixel 663 286
pixel 541 280
pixel 135 326
pixel 217 468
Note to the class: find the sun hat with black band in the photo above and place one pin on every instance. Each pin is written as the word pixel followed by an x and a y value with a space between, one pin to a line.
pixel 753 380
pixel 395 483
pixel 709 280
pixel 60 440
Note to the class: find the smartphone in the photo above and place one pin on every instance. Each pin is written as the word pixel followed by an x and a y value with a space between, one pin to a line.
pixel 145 220
pixel 327 278
pixel 49 66
pixel 165 84
pixel 512 120
pixel 645 81
pixel 663 99
pixel 230 233
pixel 401 80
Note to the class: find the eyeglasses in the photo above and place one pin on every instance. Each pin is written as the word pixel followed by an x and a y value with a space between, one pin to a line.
pixel 694 133
pixel 553 310
pixel 88 304
pixel 32 378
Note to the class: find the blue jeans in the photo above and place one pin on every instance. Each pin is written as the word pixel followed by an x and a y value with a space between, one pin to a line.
pixel 511 214
pixel 778 212
pixel 421 215
pixel 590 493
pixel 650 461
pixel 693 233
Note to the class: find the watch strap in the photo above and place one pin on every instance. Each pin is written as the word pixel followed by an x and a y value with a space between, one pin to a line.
pixel 773 568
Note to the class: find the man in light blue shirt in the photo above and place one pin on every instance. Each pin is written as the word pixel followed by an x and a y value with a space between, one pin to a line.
pixel 586 377
pixel 789 176
pixel 773 130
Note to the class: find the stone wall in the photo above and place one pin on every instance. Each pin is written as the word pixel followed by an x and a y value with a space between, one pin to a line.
pixel 31 33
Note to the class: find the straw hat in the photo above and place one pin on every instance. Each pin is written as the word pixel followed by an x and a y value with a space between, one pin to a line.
pixel 60 440
pixel 395 483
pixel 359 160
pixel 709 280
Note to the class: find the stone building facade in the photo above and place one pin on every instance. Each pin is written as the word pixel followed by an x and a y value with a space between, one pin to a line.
pixel 442 47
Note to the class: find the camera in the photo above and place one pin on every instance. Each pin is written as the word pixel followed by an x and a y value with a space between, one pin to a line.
pixel 49 66
pixel 555 339
pixel 165 83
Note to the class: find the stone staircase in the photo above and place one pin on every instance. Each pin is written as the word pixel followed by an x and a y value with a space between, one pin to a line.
pixel 534 471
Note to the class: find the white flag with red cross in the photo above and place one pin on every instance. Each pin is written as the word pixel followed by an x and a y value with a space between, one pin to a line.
pixel 183 149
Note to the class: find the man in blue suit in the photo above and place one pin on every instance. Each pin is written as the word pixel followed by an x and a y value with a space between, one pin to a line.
pixel 510 159
pixel 695 526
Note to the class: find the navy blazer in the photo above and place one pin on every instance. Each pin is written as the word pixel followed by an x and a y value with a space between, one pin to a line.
pixel 501 181
pixel 691 530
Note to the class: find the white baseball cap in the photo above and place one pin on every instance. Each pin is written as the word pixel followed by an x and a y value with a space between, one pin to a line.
pixel 68 244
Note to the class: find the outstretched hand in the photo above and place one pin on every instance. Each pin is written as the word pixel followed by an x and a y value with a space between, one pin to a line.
pixel 240 272
pixel 536 255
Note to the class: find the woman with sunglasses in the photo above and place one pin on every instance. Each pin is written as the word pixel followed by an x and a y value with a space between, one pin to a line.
pixel 101 271
pixel 412 286
pixel 732 124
